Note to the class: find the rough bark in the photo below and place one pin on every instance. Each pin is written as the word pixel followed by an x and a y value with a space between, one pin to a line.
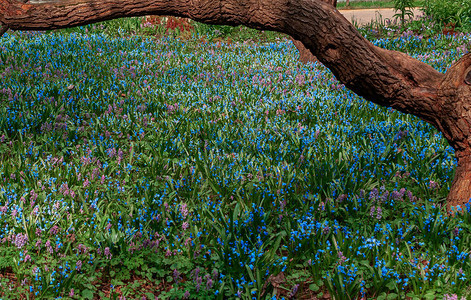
pixel 388 78
pixel 305 55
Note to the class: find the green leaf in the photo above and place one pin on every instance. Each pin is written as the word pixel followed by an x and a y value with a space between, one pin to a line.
pixel 87 294
pixel 391 285
pixel 430 295
pixel 314 287
pixel 381 297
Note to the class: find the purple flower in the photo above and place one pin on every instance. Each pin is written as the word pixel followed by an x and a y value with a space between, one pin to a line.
pixel 410 196
pixel 176 276
pixel 433 184
pixel 48 246
pixel 326 230
pixel 120 154
pixel 184 210
pixel 342 198
pixel 185 225
pixel 54 230
pixel 64 189
pixel 372 211
pixel 78 265
pixel 374 194
pixel 71 294
pixel 294 291
pixel 111 152
pixel 199 280
pixel 186 295
pixel 384 196
pixel 395 195
pixel 187 242
pixel 379 213
pixel 209 284
pixel 341 258
pixel 20 240
pixel 107 253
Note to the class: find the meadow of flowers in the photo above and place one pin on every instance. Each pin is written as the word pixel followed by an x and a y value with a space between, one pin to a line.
pixel 140 167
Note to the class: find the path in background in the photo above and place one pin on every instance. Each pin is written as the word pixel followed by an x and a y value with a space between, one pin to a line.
pixel 365 16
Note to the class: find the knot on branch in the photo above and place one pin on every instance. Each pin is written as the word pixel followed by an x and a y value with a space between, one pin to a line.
pixel 459 73
pixel 467 80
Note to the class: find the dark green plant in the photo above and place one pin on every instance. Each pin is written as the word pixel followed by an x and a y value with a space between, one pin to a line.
pixel 403 9
pixel 456 14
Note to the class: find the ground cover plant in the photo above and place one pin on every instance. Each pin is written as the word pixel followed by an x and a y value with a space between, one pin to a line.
pixel 185 168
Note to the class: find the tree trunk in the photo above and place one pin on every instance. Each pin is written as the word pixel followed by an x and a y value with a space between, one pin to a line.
pixel 388 78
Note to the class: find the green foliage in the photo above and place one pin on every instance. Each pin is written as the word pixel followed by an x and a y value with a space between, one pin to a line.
pixel 450 13
pixel 403 9
pixel 355 4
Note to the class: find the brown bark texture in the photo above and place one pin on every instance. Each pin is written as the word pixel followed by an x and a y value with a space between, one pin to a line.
pixel 305 55
pixel 388 78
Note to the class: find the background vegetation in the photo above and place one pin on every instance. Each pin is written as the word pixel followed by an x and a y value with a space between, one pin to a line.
pixel 367 4
pixel 160 157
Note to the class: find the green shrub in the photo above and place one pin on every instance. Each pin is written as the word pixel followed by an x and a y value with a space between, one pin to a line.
pixel 450 12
